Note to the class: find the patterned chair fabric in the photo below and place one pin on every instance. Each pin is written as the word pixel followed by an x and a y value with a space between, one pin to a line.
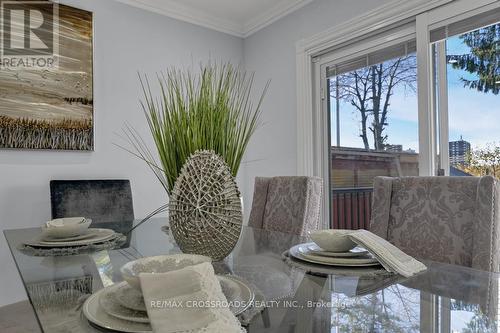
pixel 446 219
pixel 106 201
pixel 286 204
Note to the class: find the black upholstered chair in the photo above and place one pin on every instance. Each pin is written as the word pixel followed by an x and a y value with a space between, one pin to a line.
pixel 107 202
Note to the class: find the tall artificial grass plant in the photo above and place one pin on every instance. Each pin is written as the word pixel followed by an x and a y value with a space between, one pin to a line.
pixel 208 110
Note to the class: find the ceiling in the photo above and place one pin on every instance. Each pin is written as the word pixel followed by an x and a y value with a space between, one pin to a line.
pixel 236 17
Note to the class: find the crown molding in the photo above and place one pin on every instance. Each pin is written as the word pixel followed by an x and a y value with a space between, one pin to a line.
pixel 280 10
pixel 187 14
pixel 181 12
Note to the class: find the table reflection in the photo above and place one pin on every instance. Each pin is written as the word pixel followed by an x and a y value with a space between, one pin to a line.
pixel 445 298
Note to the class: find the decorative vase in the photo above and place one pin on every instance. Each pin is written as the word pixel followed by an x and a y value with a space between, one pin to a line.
pixel 205 213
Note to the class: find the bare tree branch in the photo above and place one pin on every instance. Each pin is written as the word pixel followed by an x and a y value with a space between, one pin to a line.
pixel 370 89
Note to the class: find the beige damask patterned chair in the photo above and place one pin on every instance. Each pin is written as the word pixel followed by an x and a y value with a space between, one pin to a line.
pixel 447 219
pixel 286 204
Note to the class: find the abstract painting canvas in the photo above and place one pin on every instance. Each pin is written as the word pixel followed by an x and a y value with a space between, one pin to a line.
pixel 46 78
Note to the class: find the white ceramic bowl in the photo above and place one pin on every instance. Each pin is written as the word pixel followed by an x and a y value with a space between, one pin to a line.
pixel 333 240
pixel 66 227
pixel 158 264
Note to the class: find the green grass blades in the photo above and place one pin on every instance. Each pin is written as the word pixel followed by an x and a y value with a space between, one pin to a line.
pixel 209 110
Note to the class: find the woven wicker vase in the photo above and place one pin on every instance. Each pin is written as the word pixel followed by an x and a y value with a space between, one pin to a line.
pixel 205 208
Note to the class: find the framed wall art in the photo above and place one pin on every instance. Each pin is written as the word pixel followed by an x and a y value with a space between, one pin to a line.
pixel 46 77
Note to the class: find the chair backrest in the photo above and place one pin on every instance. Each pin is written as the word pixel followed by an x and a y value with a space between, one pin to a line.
pixel 287 204
pixel 104 201
pixel 446 219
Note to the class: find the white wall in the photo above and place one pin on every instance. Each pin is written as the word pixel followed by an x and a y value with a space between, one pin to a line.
pixel 271 54
pixel 127 40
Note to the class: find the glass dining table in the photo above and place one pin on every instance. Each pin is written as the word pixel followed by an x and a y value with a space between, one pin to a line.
pixel 445 298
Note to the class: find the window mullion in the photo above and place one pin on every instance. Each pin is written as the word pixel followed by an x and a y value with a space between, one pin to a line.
pixel 442 81
pixel 426 120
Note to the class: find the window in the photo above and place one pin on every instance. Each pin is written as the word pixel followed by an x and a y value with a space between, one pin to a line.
pixel 373 115
pixel 354 127
pixel 448 125
pixel 468 85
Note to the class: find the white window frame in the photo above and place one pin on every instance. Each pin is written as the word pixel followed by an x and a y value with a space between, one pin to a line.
pixel 433 110
pixel 312 128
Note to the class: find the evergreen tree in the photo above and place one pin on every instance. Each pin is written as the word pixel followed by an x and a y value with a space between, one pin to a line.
pixel 483 60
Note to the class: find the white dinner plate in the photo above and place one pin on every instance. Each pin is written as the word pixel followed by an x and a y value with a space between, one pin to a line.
pixel 93 310
pixel 315 249
pixel 100 235
pixel 109 303
pixel 96 315
pixel 296 252
pixel 88 233
pixel 235 290
pixel 365 259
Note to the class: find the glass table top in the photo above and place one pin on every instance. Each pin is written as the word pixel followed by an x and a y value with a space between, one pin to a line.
pixel 445 298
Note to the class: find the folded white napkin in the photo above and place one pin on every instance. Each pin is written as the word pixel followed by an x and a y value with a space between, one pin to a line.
pixel 187 300
pixel 392 258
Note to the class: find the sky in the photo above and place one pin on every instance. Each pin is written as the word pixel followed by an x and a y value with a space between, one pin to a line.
pixel 473 115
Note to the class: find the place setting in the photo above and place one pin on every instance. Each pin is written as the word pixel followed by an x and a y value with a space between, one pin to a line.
pixel 351 252
pixel 175 291
pixel 71 235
